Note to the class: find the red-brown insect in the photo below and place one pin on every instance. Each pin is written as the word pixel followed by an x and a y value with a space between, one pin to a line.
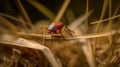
pixel 55 28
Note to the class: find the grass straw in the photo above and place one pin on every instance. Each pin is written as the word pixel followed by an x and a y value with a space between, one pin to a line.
pixel 41 8
pixel 62 10
pixel 110 49
pixel 24 13
pixel 110 13
pixel 104 8
pixel 8 24
pixel 111 18
pixel 86 21
pixel 11 17
pixel 116 10
pixel 85 36
pixel 21 42
pixel 110 28
pixel 90 56
pixel 70 15
pixel 22 22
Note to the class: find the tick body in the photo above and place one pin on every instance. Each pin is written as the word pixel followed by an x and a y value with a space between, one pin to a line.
pixel 55 28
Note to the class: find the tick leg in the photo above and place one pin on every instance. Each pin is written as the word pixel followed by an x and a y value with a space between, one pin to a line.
pixel 69 31
pixel 59 32
pixel 62 35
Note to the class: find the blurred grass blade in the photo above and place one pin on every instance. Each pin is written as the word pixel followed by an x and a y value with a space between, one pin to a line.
pixel 77 37
pixel 62 10
pixel 111 18
pixel 86 21
pixel 90 57
pixel 24 13
pixel 9 25
pixel 70 15
pixel 73 25
pixel 22 22
pixel 44 10
pixel 104 8
pixel 110 27
pixel 110 14
pixel 11 17
pixel 21 42
pixel 116 10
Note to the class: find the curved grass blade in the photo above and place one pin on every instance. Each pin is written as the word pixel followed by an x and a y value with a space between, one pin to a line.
pixel 24 13
pixel 41 8
pixel 6 23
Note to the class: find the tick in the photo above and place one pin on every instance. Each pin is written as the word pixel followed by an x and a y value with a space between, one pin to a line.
pixel 56 28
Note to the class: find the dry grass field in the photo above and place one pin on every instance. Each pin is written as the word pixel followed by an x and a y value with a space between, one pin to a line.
pixel 88 34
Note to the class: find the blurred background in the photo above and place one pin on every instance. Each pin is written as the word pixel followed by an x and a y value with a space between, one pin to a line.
pixel 91 45
pixel 77 6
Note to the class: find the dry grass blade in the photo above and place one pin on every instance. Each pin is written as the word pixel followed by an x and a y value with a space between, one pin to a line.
pixel 58 37
pixel 45 11
pixel 111 18
pixel 62 10
pixel 70 15
pixel 22 22
pixel 110 14
pixel 24 13
pixel 92 44
pixel 11 17
pixel 87 8
pixel 90 57
pixel 116 10
pixel 104 8
pixel 111 40
pixel 20 42
pixel 8 24
pixel 78 21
